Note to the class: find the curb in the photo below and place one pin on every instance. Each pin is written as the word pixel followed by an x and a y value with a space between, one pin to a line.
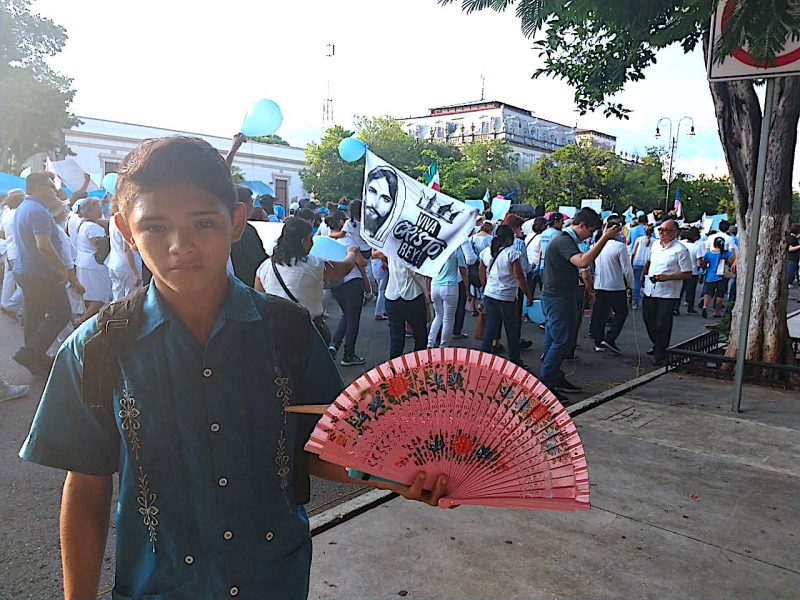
pixel 348 510
pixel 622 389
pixel 352 508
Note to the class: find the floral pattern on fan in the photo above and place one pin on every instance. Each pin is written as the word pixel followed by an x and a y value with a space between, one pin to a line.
pixel 498 434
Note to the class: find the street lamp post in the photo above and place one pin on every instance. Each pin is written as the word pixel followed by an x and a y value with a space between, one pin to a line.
pixel 673 147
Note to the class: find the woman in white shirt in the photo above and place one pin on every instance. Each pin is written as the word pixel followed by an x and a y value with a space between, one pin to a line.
pixel 293 274
pixel 92 275
pixel 11 300
pixel 502 277
pixel 639 257
pixel 124 263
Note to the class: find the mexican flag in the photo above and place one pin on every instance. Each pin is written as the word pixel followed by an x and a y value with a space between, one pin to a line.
pixel 432 176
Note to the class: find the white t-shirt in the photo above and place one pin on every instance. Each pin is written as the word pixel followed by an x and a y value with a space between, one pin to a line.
pixel 403 282
pixel 500 282
pixel 354 231
pixel 641 250
pixel 696 250
pixel 533 242
pixel 7 224
pixel 116 258
pixel 354 273
pixel 86 232
pixel 323 229
pixel 670 260
pixel 728 241
pixel 303 278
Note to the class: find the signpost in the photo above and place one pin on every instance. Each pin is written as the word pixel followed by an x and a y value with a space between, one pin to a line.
pixel 742 65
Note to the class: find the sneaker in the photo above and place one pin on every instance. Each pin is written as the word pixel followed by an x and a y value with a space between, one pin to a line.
pixel 568 388
pixel 35 367
pixel 333 350
pixel 349 361
pixel 651 352
pixel 599 348
pixel 611 346
pixel 541 327
pixel 10 392
pixel 460 336
pixel 381 317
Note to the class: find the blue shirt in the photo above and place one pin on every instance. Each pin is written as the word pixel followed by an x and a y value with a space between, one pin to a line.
pixel 450 275
pixel 205 452
pixel 713 259
pixel 519 246
pixel 634 234
pixel 31 219
pixel 547 235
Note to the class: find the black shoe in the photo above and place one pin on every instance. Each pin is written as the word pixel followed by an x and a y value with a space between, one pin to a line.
pixel 676 313
pixel 525 344
pixel 611 346
pixel 651 351
pixel 349 361
pixel 520 364
pixel 599 349
pixel 691 311
pixel 36 367
pixel 704 313
pixel 568 388
pixel 565 401
pixel 541 327
pixel 498 349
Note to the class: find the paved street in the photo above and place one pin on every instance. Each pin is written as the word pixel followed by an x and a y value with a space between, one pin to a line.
pixel 30 495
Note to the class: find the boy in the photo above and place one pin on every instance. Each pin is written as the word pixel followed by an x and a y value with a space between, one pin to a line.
pixel 212 475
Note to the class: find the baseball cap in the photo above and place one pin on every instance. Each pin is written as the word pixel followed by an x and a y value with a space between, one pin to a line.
pixel 294 206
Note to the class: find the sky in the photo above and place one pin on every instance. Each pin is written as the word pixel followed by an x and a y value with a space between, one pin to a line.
pixel 197 67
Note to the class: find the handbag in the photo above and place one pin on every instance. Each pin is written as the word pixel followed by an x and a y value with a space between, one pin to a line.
pixel 102 246
pixel 319 322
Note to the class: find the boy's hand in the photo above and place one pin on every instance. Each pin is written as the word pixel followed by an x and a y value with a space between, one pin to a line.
pixel 416 492
pixel 612 233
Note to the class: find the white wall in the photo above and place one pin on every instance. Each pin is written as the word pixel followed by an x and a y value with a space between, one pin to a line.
pixel 97 141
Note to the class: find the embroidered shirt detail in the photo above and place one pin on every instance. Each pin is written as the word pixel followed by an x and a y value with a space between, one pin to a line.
pixel 282 460
pixel 284 391
pixel 147 508
pixel 129 419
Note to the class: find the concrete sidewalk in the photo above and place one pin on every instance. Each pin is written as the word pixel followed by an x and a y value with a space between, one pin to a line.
pixel 689 501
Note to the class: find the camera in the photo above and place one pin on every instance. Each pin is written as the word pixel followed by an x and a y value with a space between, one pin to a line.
pixel 653 279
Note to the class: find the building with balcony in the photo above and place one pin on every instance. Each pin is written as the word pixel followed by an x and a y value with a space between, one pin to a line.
pixel 530 137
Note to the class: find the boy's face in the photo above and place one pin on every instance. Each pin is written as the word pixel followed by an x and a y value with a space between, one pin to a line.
pixel 184 235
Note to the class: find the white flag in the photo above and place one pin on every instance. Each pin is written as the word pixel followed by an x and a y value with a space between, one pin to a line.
pixel 402 217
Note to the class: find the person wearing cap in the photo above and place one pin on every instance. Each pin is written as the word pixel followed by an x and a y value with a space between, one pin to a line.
pixel 293 208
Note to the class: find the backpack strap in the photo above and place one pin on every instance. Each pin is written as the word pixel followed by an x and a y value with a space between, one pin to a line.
pixel 117 324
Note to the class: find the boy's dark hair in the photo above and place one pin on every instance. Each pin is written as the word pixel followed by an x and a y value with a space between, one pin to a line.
pixel 245 195
pixel 159 162
pixel 306 214
pixel 588 217
pixel 36 180
pixel 724 226
pixel 267 202
pixel 355 210
pixel 488 215
pixel 642 220
pixel 335 218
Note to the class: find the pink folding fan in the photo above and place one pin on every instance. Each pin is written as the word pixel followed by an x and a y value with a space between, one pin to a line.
pixel 498 433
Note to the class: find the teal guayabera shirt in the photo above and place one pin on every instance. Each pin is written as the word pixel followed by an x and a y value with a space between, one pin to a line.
pixel 205 453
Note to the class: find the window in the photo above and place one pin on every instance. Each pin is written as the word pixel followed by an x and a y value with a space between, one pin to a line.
pixel 485 127
pixel 110 167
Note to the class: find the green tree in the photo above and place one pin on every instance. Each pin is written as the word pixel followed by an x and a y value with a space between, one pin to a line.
pixel 327 176
pixel 598 46
pixel 34 99
pixel 237 174
pixel 705 194
pixel 273 139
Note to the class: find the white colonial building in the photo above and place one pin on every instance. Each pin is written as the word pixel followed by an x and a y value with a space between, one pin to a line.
pixel 100 146
pixel 530 137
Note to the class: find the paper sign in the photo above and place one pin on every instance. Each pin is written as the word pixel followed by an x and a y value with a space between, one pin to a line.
pixel 596 205
pixel 404 218
pixel 568 210
pixel 269 234
pixel 72 175
pixel 500 208
pixel 476 204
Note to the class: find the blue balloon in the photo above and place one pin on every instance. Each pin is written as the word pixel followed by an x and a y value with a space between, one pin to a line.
pixel 110 183
pixel 327 248
pixel 639 213
pixel 535 312
pixel 263 118
pixel 351 149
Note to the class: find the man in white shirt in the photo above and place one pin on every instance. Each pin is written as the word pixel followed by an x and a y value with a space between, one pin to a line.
pixel 613 277
pixel 663 275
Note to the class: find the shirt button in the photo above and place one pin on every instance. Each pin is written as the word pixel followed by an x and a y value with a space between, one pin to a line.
pixel 207 372
pixel 189 560
pixel 222 482
pixel 234 591
pixel 227 535
pixel 215 427
pixel 269 536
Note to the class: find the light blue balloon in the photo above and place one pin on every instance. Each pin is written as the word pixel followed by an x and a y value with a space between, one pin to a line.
pixel 535 312
pixel 110 183
pixel 327 248
pixel 263 118
pixel 351 149
pixel 639 213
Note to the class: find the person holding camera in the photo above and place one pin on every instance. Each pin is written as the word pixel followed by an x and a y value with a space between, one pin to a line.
pixel 670 263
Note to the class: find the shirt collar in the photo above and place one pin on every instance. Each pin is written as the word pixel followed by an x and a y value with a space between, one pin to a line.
pixel 238 306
